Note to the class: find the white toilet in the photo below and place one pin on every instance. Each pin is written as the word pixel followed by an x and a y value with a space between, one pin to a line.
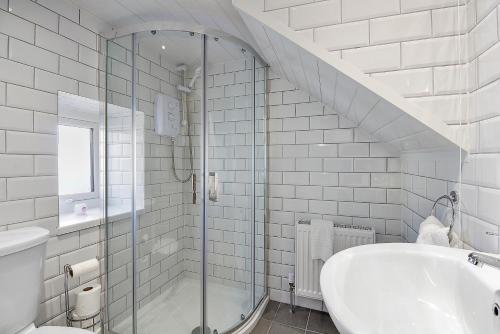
pixel 22 258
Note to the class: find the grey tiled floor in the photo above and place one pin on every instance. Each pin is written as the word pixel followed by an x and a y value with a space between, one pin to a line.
pixel 277 319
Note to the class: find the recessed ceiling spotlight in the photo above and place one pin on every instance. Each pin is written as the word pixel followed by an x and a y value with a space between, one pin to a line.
pixel 163 47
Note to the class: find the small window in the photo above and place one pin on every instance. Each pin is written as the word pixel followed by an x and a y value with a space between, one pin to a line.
pixel 77 159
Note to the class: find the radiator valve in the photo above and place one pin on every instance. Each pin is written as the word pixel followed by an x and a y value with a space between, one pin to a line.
pixel 291 285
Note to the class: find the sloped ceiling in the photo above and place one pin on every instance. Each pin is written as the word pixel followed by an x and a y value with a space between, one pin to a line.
pixel 336 83
pixel 213 14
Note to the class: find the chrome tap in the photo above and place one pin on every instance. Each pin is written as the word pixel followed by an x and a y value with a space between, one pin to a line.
pixel 478 259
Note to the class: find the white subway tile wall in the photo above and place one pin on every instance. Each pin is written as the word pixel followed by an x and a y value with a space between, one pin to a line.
pixel 438 55
pixel 229 92
pixel 387 38
pixel 426 176
pixel 43 49
pixel 169 228
pixel 320 166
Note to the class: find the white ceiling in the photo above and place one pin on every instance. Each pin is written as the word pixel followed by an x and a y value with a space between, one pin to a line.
pixel 182 48
pixel 213 14
pixel 308 66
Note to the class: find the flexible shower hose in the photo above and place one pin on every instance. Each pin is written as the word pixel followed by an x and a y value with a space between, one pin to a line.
pixel 190 161
pixel 184 108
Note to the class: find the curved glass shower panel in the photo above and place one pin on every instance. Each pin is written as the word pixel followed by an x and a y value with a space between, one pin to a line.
pixel 168 252
pixel 167 259
pixel 230 107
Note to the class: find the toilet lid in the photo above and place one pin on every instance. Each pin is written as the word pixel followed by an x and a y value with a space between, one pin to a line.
pixel 59 330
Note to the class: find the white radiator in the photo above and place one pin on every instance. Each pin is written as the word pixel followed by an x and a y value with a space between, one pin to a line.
pixel 307 270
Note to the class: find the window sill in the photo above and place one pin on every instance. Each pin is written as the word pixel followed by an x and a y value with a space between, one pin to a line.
pixel 71 222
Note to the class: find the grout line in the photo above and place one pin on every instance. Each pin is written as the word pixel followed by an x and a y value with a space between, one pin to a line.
pixel 269 329
pixel 381 16
pixel 58 25
pixel 276 313
pixel 307 322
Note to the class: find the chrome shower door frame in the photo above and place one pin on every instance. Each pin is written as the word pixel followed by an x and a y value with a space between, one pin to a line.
pixel 204 169
pixel 204 187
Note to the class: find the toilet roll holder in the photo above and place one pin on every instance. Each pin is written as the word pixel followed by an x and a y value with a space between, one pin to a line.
pixel 90 322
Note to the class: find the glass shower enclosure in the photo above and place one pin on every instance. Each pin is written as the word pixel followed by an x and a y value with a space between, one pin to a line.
pixel 185 182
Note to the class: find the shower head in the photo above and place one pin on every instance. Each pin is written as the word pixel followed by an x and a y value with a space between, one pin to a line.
pixel 196 74
pixel 183 89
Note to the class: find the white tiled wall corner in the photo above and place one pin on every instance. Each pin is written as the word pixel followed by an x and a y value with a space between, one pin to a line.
pixel 416 5
pixel 453 20
pixel 483 35
pixel 422 57
pixel 455 79
pixel 431 175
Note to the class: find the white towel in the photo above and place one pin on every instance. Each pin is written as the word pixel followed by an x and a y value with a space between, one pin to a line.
pixel 433 232
pixel 321 239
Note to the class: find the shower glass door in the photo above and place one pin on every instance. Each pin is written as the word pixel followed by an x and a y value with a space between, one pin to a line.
pixel 168 257
pixel 185 190
pixel 231 183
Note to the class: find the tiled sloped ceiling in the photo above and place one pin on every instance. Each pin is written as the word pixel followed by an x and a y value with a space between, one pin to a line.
pixel 367 102
pixel 310 67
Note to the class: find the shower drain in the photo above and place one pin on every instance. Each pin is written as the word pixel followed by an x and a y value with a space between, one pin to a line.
pixel 197 330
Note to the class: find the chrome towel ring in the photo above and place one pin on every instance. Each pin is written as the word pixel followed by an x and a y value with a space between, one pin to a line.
pixel 453 199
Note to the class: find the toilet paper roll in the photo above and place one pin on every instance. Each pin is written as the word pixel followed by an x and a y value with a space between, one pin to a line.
pixel 84 267
pixel 88 301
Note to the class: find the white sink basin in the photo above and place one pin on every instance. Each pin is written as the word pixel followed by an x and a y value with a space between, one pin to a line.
pixel 409 288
